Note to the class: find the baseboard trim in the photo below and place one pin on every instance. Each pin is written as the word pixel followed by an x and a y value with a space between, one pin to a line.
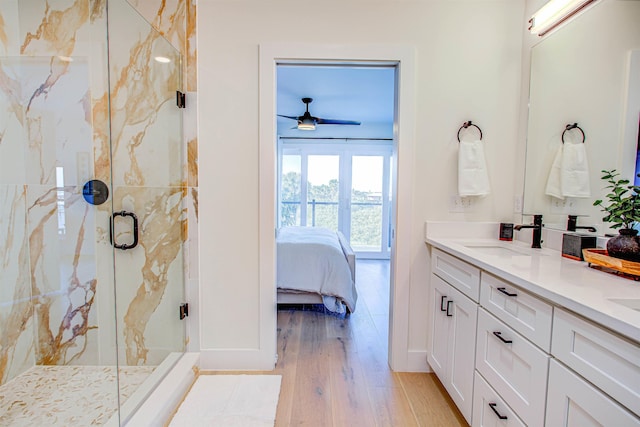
pixel 417 361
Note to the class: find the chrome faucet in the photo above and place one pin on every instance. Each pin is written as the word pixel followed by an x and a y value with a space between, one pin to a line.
pixel 572 224
pixel 537 230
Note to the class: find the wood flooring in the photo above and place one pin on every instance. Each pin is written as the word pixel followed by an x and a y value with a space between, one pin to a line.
pixel 335 372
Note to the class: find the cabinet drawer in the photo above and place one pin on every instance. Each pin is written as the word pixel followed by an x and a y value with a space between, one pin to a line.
pixel 513 366
pixel 528 315
pixel 573 402
pixel 608 361
pixel 459 274
pixel 489 409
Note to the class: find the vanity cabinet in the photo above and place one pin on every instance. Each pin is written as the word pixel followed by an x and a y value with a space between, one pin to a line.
pixel 453 331
pixel 535 363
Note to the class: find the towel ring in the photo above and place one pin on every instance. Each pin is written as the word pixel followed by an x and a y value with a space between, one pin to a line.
pixel 571 127
pixel 465 125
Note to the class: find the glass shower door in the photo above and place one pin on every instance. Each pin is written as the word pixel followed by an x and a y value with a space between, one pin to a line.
pixel 149 214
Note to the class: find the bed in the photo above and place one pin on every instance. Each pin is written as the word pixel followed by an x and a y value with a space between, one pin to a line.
pixel 315 266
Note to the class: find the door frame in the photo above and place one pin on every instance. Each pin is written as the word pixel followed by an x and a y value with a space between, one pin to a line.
pixel 403 58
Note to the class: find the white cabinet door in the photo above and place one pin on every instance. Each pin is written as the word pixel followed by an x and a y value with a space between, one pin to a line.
pixel 573 402
pixel 440 328
pixel 452 349
pixel 462 352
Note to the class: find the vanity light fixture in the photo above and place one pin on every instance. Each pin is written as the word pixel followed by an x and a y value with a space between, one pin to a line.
pixel 554 13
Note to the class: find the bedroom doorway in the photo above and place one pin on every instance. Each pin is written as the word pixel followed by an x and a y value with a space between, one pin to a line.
pixel 336 176
pixel 402 59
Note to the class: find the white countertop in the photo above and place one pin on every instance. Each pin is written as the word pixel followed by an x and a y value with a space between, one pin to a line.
pixel 564 282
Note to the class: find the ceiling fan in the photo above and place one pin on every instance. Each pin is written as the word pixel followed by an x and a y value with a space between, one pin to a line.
pixel 309 122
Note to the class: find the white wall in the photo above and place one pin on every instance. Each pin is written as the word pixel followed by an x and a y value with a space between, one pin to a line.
pixel 468 66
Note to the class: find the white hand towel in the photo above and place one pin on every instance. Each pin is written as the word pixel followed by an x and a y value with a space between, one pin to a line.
pixel 473 179
pixel 574 173
pixel 554 186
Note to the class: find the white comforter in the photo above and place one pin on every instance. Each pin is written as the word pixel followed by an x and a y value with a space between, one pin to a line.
pixel 311 259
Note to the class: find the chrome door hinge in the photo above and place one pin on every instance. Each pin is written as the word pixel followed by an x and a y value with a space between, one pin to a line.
pixel 184 310
pixel 180 99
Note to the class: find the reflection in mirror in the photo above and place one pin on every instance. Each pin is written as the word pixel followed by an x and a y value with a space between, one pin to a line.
pixel 587 72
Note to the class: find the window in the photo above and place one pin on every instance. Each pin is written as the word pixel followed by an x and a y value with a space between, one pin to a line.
pixel 343 187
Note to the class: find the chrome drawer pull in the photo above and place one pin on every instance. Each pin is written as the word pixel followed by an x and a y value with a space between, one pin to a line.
pixel 495 411
pixel 506 292
pixel 499 335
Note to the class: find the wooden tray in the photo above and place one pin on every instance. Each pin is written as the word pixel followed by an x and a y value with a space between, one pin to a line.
pixel 601 258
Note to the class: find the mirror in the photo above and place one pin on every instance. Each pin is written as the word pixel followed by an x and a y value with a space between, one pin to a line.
pixel 587 72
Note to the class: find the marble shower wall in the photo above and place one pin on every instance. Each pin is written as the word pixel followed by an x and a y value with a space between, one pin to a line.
pixel 176 21
pixel 56 271
pixel 49 72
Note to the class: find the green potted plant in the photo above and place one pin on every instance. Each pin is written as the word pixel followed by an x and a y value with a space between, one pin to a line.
pixel 623 212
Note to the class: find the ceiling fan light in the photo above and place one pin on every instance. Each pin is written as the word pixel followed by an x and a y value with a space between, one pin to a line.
pixel 307 124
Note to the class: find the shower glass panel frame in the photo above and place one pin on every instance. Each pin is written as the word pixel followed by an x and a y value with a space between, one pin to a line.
pixel 81 322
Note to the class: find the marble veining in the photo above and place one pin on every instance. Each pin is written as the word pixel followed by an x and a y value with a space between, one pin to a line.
pixel 67 395
pixel 145 122
pixel 63 301
pixel 57 29
pixel 158 258
pixel 16 327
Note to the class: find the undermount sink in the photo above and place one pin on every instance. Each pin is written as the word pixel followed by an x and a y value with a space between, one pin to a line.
pixel 632 303
pixel 501 249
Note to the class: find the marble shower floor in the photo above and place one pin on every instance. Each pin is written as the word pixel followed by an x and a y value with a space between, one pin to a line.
pixel 67 395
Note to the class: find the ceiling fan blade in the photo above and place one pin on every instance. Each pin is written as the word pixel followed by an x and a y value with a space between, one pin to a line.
pixel 289 117
pixel 336 122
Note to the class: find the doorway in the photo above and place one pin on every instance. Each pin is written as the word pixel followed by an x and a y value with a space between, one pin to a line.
pixel 402 58
pixel 336 174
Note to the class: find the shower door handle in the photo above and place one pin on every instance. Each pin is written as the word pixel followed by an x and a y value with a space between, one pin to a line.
pixel 134 220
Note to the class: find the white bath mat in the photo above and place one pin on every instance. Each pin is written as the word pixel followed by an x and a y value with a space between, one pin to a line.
pixel 230 401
